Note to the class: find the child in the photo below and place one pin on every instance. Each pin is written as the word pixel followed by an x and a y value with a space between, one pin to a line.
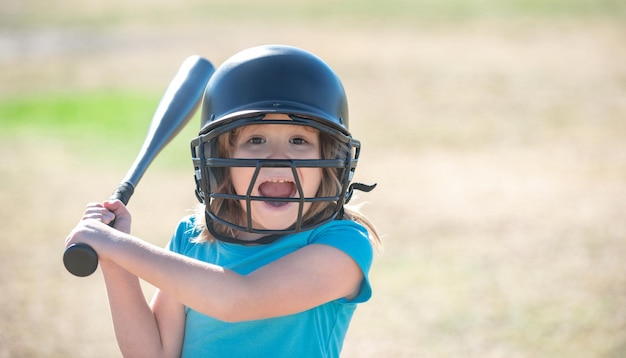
pixel 274 263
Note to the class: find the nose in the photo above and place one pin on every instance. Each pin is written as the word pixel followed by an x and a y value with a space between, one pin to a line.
pixel 278 151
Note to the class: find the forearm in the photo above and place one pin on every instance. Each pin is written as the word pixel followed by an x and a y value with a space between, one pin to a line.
pixel 296 282
pixel 136 330
pixel 193 283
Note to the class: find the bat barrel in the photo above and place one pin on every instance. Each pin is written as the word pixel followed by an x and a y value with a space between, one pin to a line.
pixel 177 106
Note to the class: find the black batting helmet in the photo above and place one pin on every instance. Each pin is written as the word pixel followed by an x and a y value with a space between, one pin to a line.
pixel 259 81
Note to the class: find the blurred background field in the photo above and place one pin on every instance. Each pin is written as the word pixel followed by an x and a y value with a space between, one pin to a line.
pixel 495 129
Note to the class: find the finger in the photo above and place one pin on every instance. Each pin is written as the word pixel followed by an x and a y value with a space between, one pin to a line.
pixel 118 208
pixel 104 216
pixel 113 205
pixel 92 208
pixel 107 217
pixel 121 213
pixel 97 211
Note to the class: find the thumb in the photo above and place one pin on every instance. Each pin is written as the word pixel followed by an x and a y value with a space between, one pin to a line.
pixel 122 215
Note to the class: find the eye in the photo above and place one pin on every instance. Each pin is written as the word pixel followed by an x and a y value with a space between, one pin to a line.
pixel 298 141
pixel 256 140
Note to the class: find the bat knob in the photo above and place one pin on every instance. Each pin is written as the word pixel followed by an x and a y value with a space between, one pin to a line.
pixel 80 260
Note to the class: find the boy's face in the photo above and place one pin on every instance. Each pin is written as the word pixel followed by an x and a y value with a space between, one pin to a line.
pixel 276 141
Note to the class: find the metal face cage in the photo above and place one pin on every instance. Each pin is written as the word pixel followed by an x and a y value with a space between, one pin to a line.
pixel 211 169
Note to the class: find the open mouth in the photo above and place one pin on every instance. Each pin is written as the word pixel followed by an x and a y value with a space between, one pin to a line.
pixel 278 188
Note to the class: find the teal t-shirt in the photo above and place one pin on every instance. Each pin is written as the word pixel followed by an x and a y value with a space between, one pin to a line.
pixel 318 332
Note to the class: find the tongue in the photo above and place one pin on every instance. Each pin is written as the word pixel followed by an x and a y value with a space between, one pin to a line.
pixel 276 190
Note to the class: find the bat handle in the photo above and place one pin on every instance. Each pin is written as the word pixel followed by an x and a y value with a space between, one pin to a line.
pixel 81 259
pixel 123 193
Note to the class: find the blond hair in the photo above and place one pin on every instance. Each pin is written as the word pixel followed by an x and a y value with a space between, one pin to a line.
pixel 231 210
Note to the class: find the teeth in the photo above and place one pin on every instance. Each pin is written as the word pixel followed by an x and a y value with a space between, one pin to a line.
pixel 279 181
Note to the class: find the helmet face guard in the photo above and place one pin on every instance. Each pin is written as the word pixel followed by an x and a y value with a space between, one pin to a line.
pixel 210 164
pixel 260 81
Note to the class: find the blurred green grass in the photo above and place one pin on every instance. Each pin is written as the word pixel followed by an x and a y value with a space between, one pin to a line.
pixel 112 113
pixel 113 120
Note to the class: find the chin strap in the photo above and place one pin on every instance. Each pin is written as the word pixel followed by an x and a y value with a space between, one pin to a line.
pixel 358 186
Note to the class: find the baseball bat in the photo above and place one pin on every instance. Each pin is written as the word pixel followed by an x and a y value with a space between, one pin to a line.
pixel 178 104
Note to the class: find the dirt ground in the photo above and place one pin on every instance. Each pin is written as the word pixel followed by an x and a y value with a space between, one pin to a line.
pixel 498 148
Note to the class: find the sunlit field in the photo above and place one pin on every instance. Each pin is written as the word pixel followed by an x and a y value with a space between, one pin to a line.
pixel 494 129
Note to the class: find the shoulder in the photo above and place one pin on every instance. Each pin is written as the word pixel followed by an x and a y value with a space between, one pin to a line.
pixel 347 236
pixel 342 231
pixel 353 239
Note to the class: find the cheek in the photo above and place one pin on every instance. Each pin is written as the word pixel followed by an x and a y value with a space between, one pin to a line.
pixel 241 179
pixel 312 181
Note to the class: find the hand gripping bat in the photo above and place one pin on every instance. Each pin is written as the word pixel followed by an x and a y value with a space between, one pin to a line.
pixel 178 104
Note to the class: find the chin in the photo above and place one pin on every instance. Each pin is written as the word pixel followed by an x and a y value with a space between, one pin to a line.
pixel 273 224
pixel 272 217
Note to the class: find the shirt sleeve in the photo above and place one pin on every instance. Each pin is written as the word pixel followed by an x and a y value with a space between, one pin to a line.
pixel 185 230
pixel 353 239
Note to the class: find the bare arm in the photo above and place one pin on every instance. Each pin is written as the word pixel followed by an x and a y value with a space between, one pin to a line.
pixel 304 279
pixel 139 328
